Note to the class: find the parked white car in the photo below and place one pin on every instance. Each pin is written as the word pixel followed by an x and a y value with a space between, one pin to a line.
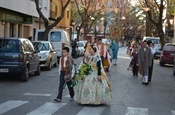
pixel 81 46
pixel 47 54
pixel 58 37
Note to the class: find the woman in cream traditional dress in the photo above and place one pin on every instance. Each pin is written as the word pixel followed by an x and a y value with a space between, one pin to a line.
pixel 93 88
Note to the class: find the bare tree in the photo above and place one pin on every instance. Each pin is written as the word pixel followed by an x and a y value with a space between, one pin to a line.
pixel 155 16
pixel 48 26
pixel 86 10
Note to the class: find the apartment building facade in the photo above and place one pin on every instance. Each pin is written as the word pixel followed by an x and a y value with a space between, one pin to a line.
pixel 19 18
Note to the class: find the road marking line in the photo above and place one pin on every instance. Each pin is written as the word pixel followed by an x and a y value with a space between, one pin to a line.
pixel 47 109
pixel 91 111
pixel 124 57
pixel 6 106
pixel 67 96
pixel 136 111
pixel 173 112
pixel 37 94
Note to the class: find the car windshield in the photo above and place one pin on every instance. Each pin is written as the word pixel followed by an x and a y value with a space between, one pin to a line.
pixel 155 41
pixel 8 45
pixel 170 48
pixel 41 46
pixel 79 44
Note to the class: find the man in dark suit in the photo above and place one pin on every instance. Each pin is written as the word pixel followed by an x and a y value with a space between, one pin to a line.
pixel 144 60
pixel 151 46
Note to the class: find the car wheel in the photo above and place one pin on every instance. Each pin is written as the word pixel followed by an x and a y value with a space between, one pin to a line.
pixel 38 71
pixel 25 75
pixel 49 67
pixel 56 64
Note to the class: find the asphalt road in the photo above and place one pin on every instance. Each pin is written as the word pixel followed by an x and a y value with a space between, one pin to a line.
pixel 35 97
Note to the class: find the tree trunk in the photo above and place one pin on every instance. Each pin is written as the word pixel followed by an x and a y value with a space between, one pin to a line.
pixel 85 30
pixel 45 35
pixel 78 35
pixel 78 31
pixel 148 28
pixel 161 35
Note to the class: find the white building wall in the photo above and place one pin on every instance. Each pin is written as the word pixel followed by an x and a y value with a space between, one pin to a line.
pixel 26 6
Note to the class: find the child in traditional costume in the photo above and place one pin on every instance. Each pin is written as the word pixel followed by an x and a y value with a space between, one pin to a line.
pixel 66 72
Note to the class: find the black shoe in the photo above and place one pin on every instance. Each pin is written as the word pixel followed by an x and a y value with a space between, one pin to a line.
pixel 146 84
pixel 57 100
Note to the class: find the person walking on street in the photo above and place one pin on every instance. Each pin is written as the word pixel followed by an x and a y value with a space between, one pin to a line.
pixel 102 49
pixel 134 61
pixel 150 71
pixel 144 60
pixel 74 46
pixel 66 72
pixel 115 49
pixel 93 88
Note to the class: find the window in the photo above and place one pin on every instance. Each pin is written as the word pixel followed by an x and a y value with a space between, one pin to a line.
pixel 40 35
pixel 12 30
pixel 41 46
pixel 19 30
pixel 170 48
pixel 9 45
pixel 55 36
pixel 79 44
pixel 67 13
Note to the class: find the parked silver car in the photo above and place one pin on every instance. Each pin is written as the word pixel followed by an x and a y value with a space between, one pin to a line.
pixel 47 54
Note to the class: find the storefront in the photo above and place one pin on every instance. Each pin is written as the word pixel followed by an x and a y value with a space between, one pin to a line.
pixel 14 24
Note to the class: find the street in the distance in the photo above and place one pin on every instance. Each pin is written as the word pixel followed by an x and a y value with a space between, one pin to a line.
pixel 129 96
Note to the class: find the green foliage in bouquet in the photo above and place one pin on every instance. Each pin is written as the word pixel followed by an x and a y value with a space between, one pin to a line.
pixel 84 70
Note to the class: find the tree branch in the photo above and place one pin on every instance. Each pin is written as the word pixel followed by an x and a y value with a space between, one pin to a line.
pixel 161 8
pixel 156 3
pixel 79 10
pixel 40 13
pixel 62 13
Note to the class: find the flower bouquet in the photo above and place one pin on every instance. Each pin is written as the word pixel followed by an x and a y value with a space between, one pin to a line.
pixel 84 70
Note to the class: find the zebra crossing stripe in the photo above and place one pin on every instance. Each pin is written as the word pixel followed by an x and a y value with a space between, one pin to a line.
pixel 36 94
pixel 124 57
pixel 173 112
pixel 6 106
pixel 91 111
pixel 136 111
pixel 47 109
